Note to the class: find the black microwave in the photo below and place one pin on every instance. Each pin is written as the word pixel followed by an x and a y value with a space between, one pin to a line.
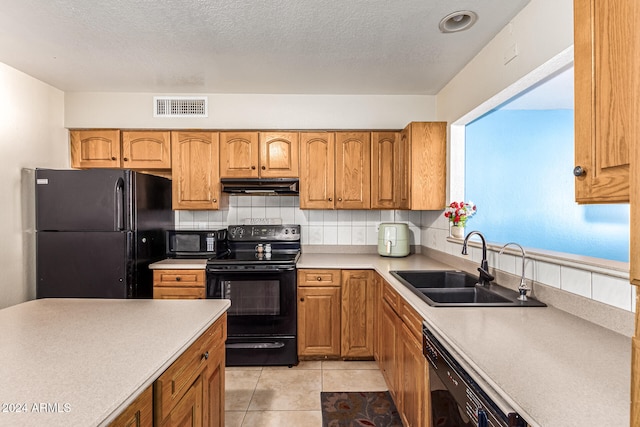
pixel 196 243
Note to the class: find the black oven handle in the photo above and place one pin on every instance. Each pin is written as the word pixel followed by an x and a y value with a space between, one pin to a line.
pixel 251 270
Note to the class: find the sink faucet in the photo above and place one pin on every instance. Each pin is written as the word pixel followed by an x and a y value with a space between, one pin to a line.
pixel 522 288
pixel 484 277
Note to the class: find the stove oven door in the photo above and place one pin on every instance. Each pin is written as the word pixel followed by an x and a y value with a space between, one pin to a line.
pixel 263 301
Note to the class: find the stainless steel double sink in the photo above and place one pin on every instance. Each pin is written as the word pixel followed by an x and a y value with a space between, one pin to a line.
pixel 452 288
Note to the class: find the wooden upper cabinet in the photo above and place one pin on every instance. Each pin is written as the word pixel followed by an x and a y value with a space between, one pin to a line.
pixel 95 148
pixel 353 170
pixel 239 155
pixel 386 172
pixel 317 165
pixel 196 183
pixel 426 145
pixel 279 154
pixel 146 149
pixel 606 69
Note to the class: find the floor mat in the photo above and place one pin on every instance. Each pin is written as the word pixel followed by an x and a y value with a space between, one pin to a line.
pixel 359 409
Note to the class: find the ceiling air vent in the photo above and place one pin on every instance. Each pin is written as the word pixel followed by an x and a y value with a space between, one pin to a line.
pixel 180 106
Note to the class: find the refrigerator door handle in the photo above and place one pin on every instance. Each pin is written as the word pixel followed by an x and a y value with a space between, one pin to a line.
pixel 119 205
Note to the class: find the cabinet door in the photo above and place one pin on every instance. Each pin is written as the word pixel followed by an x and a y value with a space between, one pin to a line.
pixel 188 411
pixel 404 167
pixel 606 76
pixel 214 389
pixel 279 154
pixel 146 149
pixel 428 154
pixel 353 169
pixel 239 155
pixel 196 183
pixel 385 170
pixel 413 381
pixel 95 148
pixel 389 323
pixel 357 314
pixel 319 322
pixel 317 163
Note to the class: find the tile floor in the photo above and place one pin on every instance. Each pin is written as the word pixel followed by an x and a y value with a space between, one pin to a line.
pixel 283 397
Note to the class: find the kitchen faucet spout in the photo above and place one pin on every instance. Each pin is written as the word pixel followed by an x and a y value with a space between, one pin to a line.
pixel 522 288
pixel 484 278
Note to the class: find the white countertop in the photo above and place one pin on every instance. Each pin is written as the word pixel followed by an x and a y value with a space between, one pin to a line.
pixel 179 264
pixel 82 361
pixel 553 368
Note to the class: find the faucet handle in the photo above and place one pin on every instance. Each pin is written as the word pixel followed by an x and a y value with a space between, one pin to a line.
pixel 523 288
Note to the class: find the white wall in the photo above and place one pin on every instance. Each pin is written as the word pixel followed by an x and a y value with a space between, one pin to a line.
pixel 32 135
pixel 237 111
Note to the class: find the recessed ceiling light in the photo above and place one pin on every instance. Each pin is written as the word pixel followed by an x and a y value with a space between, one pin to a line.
pixel 458 21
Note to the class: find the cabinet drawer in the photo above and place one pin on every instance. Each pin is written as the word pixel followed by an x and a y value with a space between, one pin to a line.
pixel 166 292
pixel 411 319
pixel 178 278
pixel 391 296
pixel 139 413
pixel 319 277
pixel 171 386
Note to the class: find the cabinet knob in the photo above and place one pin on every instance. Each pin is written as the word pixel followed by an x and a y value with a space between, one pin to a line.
pixel 214 200
pixel 253 167
pixel 205 356
pixel 113 158
pixel 178 278
pixel 330 199
pixel 579 171
pixel 264 167
pixel 319 279
pixel 339 199
pixel 301 299
pixel 125 159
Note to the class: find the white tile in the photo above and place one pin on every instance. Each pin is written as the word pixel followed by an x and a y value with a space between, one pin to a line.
pixel 431 218
pixel 315 234
pixel 414 235
pixel 373 217
pixel 330 217
pixel 330 235
pixel 612 291
pixel 315 217
pixel 415 218
pixel 288 215
pixel 399 216
pixel 344 234
pixel 259 200
pixel 575 281
pixel 241 200
pixel 372 235
pixel 243 212
pixel 358 235
pixel 359 217
pixel 546 273
pixel 272 212
pixel 258 212
pixel 301 217
pixel 304 236
pixel 272 201
pixel 507 262
pixel 344 217
pixel 388 216
pixel 288 201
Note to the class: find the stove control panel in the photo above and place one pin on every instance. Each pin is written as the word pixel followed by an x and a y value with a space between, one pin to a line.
pixel 272 233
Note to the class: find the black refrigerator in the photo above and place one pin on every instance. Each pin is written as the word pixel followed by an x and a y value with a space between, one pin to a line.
pixel 98 230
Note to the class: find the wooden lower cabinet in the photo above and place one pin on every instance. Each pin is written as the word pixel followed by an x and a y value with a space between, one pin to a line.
pixel 358 320
pixel 403 365
pixel 179 284
pixel 318 322
pixel 191 391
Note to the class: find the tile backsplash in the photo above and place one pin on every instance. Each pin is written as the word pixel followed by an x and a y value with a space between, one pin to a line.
pixel 319 227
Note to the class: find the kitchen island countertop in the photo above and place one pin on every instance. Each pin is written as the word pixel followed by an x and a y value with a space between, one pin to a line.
pixel 80 362
pixel 554 368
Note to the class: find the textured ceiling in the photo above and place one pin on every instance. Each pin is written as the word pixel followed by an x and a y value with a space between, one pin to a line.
pixel 245 46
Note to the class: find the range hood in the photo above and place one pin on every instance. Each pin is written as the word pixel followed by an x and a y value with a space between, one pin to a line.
pixel 264 186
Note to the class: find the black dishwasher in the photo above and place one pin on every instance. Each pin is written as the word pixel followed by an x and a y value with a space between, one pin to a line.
pixel 456 399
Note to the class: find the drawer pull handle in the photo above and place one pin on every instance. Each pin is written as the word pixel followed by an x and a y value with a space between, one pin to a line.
pixel 178 278
pixel 205 356
pixel 319 279
pixel 301 299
